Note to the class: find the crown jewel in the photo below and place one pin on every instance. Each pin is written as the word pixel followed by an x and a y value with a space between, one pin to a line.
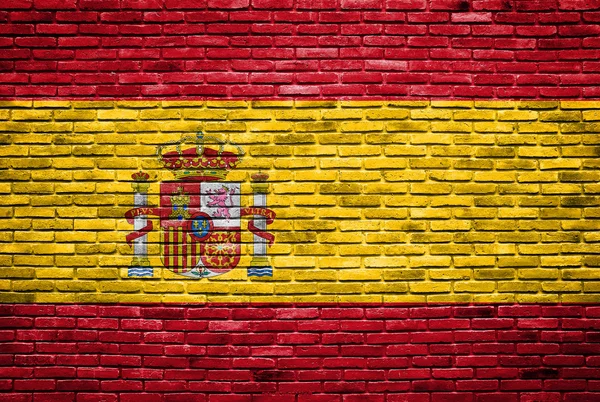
pixel 201 162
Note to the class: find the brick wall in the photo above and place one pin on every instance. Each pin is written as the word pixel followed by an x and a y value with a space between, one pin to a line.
pixel 426 250
pixel 386 201
pixel 351 353
pixel 326 48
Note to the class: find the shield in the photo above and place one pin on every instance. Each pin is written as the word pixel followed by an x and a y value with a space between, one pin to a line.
pixel 200 227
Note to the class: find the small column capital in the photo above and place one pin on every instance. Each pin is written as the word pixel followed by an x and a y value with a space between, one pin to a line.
pixel 259 182
pixel 140 182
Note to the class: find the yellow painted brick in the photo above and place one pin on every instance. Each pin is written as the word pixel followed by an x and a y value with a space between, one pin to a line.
pixel 495 249
pixel 592 287
pixel 580 298
pixel 385 262
pixel 405 150
pixel 205 114
pixel 31 115
pixel 407 126
pixel 451 127
pixel 450 249
pixel 430 188
pixel 430 213
pixel 315 250
pixel 561 261
pixel 15 127
pixel 360 275
pixel 35 138
pixel 16 272
pixel 315 276
pixel 427 237
pixel 118 114
pixel 561 116
pixel 363 127
pixel 430 114
pixel 345 114
pixel 94 127
pixel 519 188
pixel 474 164
pixel 317 126
pixel 430 163
pixel 495 127
pixel 248 115
pixel 409 175
pixel 519 287
pixel 405 249
pixel 538 273
pixel 495 274
pixel 362 226
pixel 32 286
pixel 529 299
pixel 309 150
pixel 517 115
pixel 456 151
pixel 294 262
pixel 321 200
pixel 119 287
pixel 362 250
pixel 76 286
pixel 405 226
pixel 340 288
pixel 364 150
pixel 429 287
pixel 517 213
pixel 404 274
pixel 386 287
pixel 338 213
pixel 405 298
pixel 475 287
pixel 271 126
pixel 33 260
pixel 386 138
pixel 346 163
pixel 474 114
pixel 449 274
pixel 163 287
pixel 430 261
pixel 494 176
pixel 360 201
pixel 387 114
pixel 521 139
pixel 537 128
pixel 450 225
pixel 295 188
pixel 359 176
pixel 335 238
pixel 297 115
pixel 339 262
pixel 564 287
pixel 293 288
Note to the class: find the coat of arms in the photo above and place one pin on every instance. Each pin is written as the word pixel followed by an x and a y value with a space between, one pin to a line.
pixel 200 213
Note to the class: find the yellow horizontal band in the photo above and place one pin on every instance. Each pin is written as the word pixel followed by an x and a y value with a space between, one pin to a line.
pixel 376 201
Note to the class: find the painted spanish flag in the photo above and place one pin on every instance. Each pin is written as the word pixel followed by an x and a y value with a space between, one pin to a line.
pixel 300 201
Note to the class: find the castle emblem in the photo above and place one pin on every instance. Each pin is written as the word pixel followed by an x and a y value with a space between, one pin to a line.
pixel 200 213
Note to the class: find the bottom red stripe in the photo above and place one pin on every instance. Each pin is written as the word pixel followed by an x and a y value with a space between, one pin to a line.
pixel 299 353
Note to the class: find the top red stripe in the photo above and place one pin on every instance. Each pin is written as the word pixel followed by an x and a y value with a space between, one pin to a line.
pixel 513 49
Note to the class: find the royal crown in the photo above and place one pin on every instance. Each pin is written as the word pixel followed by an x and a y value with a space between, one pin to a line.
pixel 200 163
pixel 260 176
pixel 140 176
